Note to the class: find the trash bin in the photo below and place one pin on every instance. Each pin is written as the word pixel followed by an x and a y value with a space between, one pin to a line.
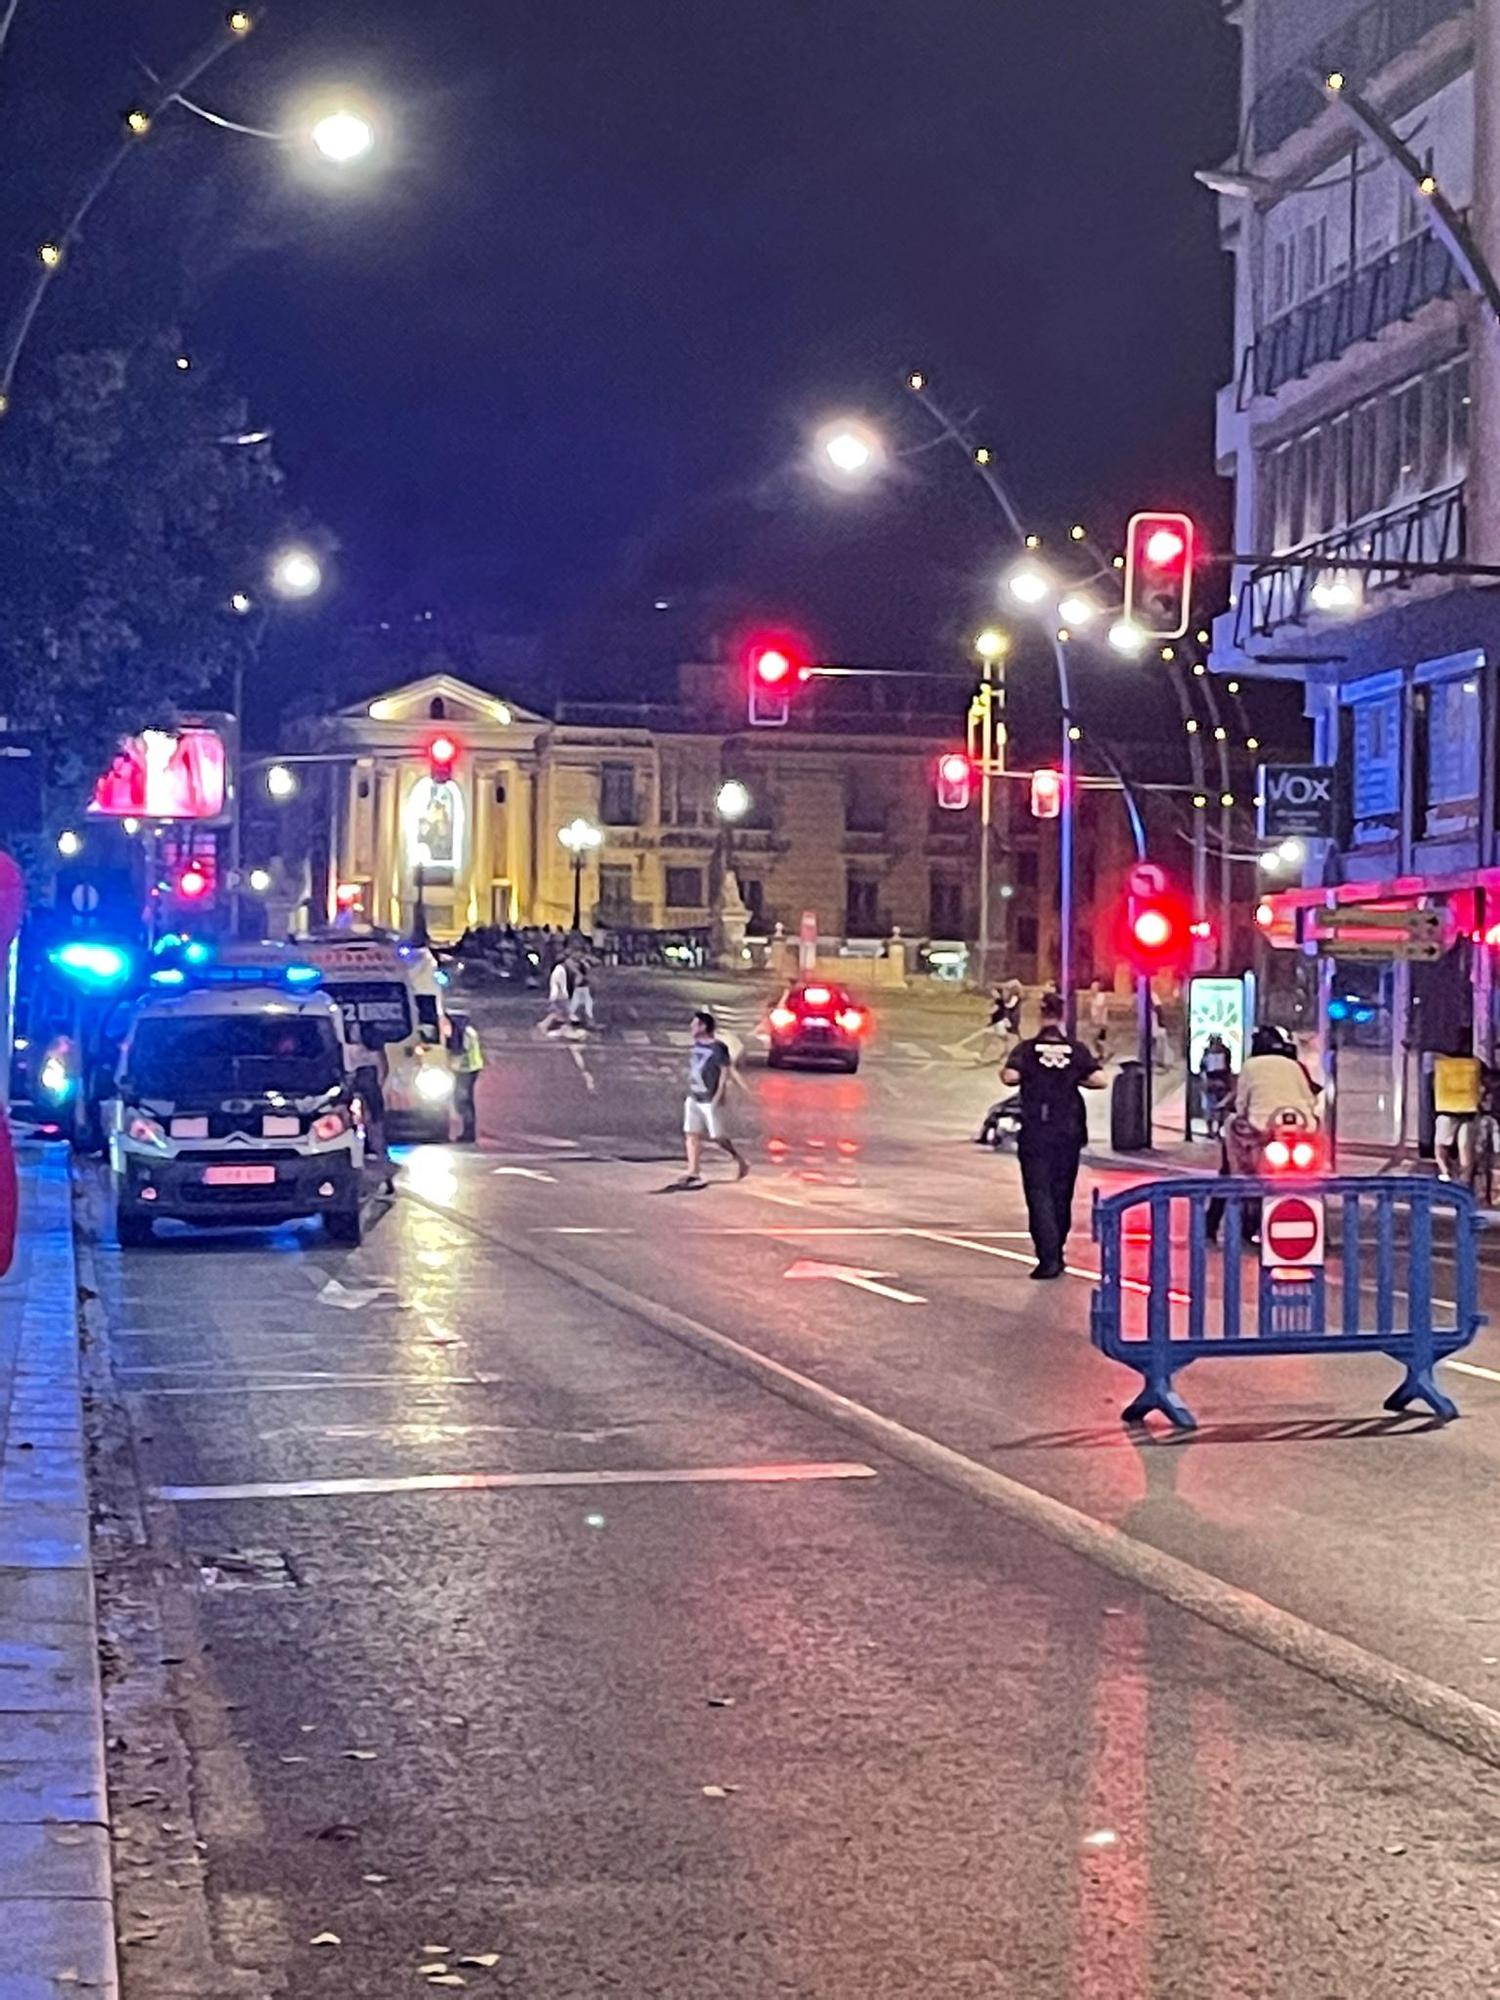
pixel 1127 1110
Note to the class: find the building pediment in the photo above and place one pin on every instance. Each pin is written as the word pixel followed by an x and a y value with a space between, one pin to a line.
pixel 442 698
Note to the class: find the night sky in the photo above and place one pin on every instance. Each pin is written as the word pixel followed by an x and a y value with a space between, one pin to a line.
pixel 558 358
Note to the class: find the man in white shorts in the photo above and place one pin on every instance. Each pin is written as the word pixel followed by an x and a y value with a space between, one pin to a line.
pixel 703 1111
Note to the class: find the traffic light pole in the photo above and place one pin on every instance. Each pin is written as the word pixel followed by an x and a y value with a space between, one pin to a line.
pixel 988 692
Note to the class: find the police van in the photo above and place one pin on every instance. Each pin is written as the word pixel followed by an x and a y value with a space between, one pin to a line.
pixel 392 996
pixel 234 1102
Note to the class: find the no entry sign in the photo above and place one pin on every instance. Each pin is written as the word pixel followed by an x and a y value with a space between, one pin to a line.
pixel 1292 1230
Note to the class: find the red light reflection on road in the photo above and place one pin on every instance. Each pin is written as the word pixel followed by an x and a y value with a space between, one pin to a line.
pixel 1114 1917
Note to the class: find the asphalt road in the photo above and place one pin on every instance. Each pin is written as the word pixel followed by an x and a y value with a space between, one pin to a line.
pixel 455 1613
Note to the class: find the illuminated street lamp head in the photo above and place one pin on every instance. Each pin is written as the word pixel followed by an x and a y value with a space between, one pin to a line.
pixel 848 452
pixel 579 836
pixel 992 643
pixel 260 881
pixel 1076 610
pixel 732 801
pixel 281 781
pixel 1029 583
pixel 1127 638
pixel 138 122
pixel 343 136
pixel 241 603
pixel 239 22
pixel 296 573
pixel 69 844
pixel 50 254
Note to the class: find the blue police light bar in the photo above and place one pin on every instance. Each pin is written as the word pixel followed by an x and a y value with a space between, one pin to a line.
pixel 303 976
pixel 169 975
pixel 197 952
pixel 92 963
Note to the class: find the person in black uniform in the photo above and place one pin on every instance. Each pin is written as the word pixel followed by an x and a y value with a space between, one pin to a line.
pixel 1051 1070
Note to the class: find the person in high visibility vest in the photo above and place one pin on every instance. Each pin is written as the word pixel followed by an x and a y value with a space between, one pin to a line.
pixel 466 1058
pixel 1458 1085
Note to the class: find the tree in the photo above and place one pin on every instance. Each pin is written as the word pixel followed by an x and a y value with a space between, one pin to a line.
pixel 128 520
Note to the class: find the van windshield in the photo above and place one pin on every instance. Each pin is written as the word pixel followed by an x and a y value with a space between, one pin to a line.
pixel 376 1011
pixel 224 1054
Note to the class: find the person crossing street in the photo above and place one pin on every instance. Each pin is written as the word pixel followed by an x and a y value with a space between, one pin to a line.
pixel 709 1069
pixel 1050 1071
pixel 466 1057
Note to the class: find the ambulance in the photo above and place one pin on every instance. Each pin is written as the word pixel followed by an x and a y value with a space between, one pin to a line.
pixel 392 996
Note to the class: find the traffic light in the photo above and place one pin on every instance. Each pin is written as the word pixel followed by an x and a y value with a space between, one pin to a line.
pixel 1157 936
pixel 1046 794
pixel 442 755
pixel 773 667
pixel 1159 574
pixel 955 781
pixel 194 882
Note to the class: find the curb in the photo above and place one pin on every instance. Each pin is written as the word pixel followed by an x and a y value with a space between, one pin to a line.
pixel 56 1891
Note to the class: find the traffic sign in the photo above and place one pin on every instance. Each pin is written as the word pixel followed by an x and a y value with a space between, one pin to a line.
pixel 1366 931
pixel 85 899
pixel 1291 1231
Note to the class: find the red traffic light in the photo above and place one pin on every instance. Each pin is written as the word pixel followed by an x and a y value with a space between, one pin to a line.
pixel 955 781
pixel 1156 933
pixel 442 755
pixel 193 883
pixel 1046 794
pixel 774 662
pixel 1159 574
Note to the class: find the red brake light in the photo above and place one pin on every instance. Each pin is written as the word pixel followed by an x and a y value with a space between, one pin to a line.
pixel 1304 1154
pixel 783 1017
pixel 850 1019
pixel 1278 1153
pixel 330 1125
pixel 816 996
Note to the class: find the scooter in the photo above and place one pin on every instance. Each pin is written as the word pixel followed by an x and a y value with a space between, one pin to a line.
pixel 1002 1123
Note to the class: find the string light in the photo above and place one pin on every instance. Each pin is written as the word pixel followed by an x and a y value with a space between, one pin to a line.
pixel 1077 531
pixel 1199 669
pixel 1063 635
pixel 1226 798
pixel 1075 734
pixel 1427 185
pixel 1192 727
pixel 1119 562
pixel 916 381
pixel 1204 637
pixel 241 602
pixel 138 122
pixel 1199 800
pixel 982 454
pixel 1334 81
pixel 1220 734
pixel 50 254
pixel 4 404
pixel 1252 742
pixel 184 363
pixel 1169 652
pixel 239 22
pixel 1033 541
pixel 1233 686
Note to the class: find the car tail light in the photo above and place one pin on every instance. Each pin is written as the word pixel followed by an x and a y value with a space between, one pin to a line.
pixel 783 1017
pixel 330 1125
pixel 851 1020
pixel 1278 1154
pixel 816 996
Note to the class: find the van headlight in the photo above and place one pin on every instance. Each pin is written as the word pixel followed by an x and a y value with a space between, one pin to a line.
pixel 434 1085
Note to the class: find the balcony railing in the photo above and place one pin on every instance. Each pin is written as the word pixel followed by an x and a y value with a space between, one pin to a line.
pixel 1321 329
pixel 1374 36
pixel 1431 530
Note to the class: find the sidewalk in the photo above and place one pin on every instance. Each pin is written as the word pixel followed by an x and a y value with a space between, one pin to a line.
pixel 56 1916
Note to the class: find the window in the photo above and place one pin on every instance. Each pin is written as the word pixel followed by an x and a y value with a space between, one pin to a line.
pixel 1312 274
pixel 617 795
pixel 1279 284
pixel 1377 757
pixel 1453 739
pixel 862 907
pixel 1026 867
pixel 945 906
pixel 614 890
pixel 685 888
pixel 862 813
pixel 1026 936
pixel 753 894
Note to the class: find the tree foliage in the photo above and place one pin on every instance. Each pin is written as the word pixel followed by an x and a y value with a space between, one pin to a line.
pixel 127 524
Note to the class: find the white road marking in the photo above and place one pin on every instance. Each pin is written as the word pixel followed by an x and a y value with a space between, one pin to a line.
pixel 349 1298
pixel 546 1139
pixel 526 1174
pixel 305 1385
pixel 486 1482
pixel 1471 1368
pixel 1021 1257
pixel 860 1280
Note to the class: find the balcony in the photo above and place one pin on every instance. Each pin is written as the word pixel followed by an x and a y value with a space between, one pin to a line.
pixel 1279 593
pixel 1393 288
pixel 1361 49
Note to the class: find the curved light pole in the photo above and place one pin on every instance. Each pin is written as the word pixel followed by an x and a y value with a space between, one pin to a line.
pixel 982 461
pixel 581 838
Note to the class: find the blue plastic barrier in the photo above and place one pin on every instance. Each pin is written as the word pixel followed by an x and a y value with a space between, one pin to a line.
pixel 1181 1296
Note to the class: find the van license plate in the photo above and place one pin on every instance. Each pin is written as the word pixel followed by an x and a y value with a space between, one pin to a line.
pixel 238 1176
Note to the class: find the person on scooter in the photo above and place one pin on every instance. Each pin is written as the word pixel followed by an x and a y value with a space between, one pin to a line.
pixel 1273 1085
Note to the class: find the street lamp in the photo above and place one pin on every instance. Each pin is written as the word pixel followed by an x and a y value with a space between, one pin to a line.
pixel 295 572
pixel 281 782
pixel 343 136
pixel 1029 583
pixel 732 801
pixel 848 452
pixel 581 838
pixel 1127 639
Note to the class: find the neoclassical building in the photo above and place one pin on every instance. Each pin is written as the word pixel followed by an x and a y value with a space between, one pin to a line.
pixel 838 813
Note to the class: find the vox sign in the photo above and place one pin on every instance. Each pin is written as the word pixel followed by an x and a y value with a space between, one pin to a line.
pixel 1300 800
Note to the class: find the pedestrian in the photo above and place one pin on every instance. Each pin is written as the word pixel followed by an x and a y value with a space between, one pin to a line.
pixel 1011 994
pixel 371 1076
pixel 1459 1082
pixel 1051 1071
pixel 581 1007
pixel 709 1070
pixel 559 997
pixel 1099 1019
pixel 466 1056
pixel 1215 1083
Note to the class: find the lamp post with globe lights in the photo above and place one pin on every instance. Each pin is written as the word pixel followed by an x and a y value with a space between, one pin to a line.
pixel 581 838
